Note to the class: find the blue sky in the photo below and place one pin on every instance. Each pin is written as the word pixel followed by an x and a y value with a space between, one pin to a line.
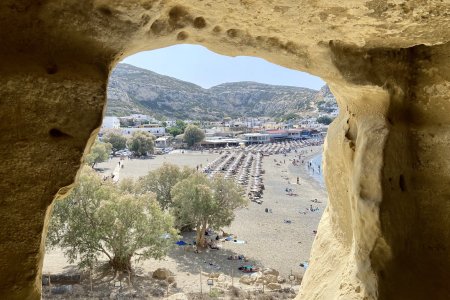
pixel 198 65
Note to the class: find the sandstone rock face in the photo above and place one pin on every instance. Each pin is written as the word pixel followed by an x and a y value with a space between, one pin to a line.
pixel 385 233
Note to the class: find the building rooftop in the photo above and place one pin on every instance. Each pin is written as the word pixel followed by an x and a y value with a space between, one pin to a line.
pixel 255 134
pixel 272 131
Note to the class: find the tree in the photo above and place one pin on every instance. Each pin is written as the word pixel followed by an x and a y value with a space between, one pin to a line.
pixel 162 180
pixel 178 129
pixel 99 153
pixel 99 219
pixel 141 142
pixel 174 131
pixel 193 135
pixel 326 120
pixel 116 139
pixel 203 203
pixel 181 124
pixel 289 116
pixel 127 122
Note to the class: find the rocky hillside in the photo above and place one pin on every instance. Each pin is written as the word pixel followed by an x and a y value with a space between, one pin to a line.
pixel 135 90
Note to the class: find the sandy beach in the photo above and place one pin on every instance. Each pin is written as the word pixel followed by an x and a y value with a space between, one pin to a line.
pixel 270 241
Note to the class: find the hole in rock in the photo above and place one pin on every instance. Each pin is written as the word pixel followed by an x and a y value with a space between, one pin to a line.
pixel 401 183
pixel 207 166
pixel 51 69
pixel 56 133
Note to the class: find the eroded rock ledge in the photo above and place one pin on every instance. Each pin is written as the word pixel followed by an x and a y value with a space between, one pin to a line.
pixel 385 233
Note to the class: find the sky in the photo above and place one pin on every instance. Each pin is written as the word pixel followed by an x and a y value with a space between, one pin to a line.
pixel 205 68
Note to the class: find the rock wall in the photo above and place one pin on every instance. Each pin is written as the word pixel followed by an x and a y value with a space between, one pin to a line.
pixel 385 233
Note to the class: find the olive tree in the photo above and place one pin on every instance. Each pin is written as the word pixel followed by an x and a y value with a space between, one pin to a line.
pixel 99 220
pixel 162 180
pixel 193 135
pixel 141 143
pixel 99 153
pixel 206 203
pixel 117 140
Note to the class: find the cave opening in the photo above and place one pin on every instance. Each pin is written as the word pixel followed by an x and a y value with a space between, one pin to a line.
pixel 262 127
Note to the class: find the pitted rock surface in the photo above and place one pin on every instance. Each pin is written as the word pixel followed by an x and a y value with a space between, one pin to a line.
pixel 385 233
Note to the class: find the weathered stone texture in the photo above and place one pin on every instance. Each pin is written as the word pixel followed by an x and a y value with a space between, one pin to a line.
pixel 385 233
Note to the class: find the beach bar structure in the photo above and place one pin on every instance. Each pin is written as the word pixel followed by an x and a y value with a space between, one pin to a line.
pixel 220 142
pixel 256 138
pixel 277 135
pixel 302 134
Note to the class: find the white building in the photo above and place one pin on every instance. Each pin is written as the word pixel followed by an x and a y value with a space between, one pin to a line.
pixel 156 131
pixel 163 142
pixel 171 123
pixel 140 117
pixel 218 142
pixel 110 123
pixel 256 138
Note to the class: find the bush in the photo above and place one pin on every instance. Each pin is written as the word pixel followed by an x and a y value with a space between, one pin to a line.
pixel 326 120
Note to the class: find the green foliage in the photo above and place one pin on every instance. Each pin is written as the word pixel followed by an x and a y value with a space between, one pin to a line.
pixel 116 139
pixel 99 153
pixel 174 131
pixel 141 143
pixel 180 124
pixel 98 219
pixel 320 103
pixel 202 203
pixel 289 116
pixel 215 293
pixel 162 180
pixel 127 123
pixel 193 135
pixel 326 120
pixel 178 129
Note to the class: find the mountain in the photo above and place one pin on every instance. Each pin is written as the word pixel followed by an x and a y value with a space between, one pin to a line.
pixel 136 90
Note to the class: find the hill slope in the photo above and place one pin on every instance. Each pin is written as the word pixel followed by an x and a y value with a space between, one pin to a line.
pixel 135 90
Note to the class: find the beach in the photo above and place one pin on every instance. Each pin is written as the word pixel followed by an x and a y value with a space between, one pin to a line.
pixel 280 238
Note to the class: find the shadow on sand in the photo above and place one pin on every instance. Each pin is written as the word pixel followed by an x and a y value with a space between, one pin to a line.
pixel 209 260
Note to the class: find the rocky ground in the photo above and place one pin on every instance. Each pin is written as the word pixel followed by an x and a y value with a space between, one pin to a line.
pixel 267 284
